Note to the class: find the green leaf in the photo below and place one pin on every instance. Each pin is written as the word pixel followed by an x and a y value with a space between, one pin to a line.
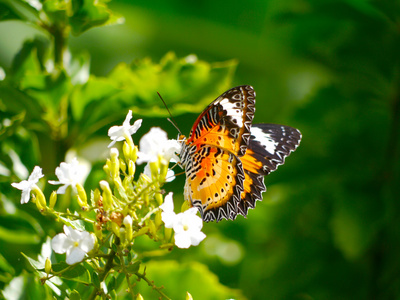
pixel 76 224
pixel 179 278
pixel 74 295
pixel 96 280
pixel 133 268
pixel 111 284
pixel 17 10
pixel 90 13
pixel 76 272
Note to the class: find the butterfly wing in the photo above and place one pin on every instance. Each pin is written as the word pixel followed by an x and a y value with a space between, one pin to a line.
pixel 214 183
pixel 268 147
pixel 219 136
pixel 226 122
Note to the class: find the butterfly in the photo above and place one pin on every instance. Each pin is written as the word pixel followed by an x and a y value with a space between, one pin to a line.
pixel 226 157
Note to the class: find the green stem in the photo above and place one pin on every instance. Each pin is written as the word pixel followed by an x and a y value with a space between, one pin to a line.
pixel 103 275
pixel 151 284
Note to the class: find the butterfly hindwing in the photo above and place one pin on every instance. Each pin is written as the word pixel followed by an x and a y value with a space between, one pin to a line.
pixel 268 147
pixel 271 144
pixel 214 183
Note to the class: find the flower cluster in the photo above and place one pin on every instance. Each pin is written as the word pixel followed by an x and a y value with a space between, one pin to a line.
pixel 187 225
pixel 125 205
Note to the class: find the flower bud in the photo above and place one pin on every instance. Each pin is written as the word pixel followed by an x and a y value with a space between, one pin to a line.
pixel 139 297
pixel 167 233
pixel 157 220
pixel 107 195
pixel 122 165
pixel 82 197
pixel 40 199
pixel 96 197
pixel 128 227
pixel 114 163
pixel 115 228
pixel 131 168
pixel 47 266
pixel 126 150
pixel 134 153
pixel 152 228
pixel 159 198
pixel 53 199
pixel 188 296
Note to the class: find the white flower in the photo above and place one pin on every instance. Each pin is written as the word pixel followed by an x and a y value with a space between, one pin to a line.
pixel 187 229
pixel 68 174
pixel 155 143
pixel 120 133
pixel 26 186
pixel 187 225
pixel 168 216
pixel 74 243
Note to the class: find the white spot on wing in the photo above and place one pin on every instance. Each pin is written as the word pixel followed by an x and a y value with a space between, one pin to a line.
pixel 264 139
pixel 232 110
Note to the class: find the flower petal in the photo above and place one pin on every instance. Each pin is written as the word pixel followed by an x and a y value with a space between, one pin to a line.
pixel 60 243
pixel 75 256
pixel 182 240
pixel 87 242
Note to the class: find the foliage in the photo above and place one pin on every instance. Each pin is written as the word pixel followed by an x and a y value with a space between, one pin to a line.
pixel 329 223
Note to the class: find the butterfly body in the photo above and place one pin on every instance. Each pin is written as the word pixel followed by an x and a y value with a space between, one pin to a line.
pixel 226 157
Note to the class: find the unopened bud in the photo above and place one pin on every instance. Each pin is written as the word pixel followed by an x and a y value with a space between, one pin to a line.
pixel 188 296
pixel 128 227
pixel 107 195
pixel 159 198
pixel 131 168
pixel 82 197
pixel 53 199
pixel 157 220
pixel 47 266
pixel 115 228
pixel 139 297
pixel 114 163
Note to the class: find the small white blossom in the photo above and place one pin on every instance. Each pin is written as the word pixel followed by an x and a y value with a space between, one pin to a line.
pixel 120 133
pixel 26 186
pixel 155 143
pixel 74 243
pixel 187 229
pixel 68 174
pixel 168 216
pixel 187 225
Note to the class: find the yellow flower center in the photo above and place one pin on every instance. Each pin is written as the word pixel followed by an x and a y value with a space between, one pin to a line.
pixel 76 244
pixel 185 227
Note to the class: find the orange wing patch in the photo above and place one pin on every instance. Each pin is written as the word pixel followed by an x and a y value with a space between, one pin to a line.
pixel 214 183
pixel 253 185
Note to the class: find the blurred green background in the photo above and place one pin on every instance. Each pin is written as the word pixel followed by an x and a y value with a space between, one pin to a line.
pixel 328 227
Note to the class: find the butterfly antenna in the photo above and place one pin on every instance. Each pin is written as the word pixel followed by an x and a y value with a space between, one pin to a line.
pixel 172 118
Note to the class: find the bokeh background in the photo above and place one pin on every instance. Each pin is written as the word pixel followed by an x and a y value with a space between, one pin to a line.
pixel 328 227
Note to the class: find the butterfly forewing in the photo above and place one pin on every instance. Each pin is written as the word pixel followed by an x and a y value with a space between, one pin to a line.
pixel 226 122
